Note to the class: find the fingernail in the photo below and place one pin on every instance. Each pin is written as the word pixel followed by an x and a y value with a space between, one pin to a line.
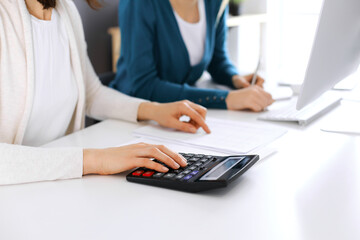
pixel 165 169
pixel 184 160
pixel 176 166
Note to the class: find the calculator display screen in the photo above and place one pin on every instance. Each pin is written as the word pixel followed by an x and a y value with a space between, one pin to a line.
pixel 222 168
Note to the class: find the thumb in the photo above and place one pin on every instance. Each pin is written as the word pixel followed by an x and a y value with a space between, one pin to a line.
pixel 243 82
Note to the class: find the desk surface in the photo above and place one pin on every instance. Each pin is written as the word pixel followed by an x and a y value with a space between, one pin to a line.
pixel 309 190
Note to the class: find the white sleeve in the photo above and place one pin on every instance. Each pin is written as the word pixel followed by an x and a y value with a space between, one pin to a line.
pixel 21 164
pixel 104 103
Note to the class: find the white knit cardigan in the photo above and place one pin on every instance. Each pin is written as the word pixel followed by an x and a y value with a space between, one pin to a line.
pixel 20 164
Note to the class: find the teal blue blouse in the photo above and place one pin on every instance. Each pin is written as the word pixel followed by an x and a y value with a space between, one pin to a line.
pixel 154 62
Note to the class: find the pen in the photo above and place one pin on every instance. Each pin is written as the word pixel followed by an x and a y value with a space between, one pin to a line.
pixel 253 81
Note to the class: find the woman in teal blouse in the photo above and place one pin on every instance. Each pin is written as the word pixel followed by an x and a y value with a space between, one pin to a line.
pixel 161 39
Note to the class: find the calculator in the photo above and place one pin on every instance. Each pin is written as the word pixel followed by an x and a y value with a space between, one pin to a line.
pixel 203 172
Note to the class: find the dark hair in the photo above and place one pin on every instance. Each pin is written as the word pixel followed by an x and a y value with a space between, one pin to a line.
pixel 94 4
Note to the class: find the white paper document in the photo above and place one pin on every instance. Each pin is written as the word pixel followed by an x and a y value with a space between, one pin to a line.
pixel 262 152
pixel 226 136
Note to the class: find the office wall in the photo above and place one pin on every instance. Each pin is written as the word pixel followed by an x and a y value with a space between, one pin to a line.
pixel 244 41
pixel 255 6
pixel 96 24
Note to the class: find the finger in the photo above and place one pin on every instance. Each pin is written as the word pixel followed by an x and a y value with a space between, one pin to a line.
pixel 256 107
pixel 262 97
pixel 267 98
pixel 147 163
pixel 177 157
pixel 183 126
pixel 154 152
pixel 200 109
pixel 190 112
pixel 192 122
pixel 245 81
pixel 260 81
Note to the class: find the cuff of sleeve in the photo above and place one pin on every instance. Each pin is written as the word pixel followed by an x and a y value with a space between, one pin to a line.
pixel 209 98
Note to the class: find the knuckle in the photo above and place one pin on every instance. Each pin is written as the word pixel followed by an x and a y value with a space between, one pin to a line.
pixel 161 146
pixel 140 162
pixel 153 150
pixel 180 105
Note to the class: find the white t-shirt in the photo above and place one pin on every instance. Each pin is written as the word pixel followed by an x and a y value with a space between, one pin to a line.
pixel 194 35
pixel 56 92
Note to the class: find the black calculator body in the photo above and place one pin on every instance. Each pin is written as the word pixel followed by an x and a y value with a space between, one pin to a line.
pixel 203 172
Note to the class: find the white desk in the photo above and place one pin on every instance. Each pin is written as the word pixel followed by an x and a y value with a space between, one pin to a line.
pixel 309 190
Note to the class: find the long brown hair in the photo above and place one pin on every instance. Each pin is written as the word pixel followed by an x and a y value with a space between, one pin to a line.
pixel 94 4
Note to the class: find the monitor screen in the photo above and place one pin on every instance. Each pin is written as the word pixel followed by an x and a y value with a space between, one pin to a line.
pixel 336 49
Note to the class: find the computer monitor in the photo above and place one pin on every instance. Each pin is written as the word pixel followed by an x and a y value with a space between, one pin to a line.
pixel 336 50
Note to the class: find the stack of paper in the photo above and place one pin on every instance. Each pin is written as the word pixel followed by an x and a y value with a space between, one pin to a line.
pixel 226 136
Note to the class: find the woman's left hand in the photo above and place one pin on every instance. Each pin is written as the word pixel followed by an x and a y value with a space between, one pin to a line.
pixel 168 115
pixel 245 81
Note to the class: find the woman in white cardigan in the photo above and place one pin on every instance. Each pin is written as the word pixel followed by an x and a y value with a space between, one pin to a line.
pixel 47 85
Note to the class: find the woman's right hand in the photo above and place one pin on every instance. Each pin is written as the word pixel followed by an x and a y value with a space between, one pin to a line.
pixel 253 98
pixel 120 159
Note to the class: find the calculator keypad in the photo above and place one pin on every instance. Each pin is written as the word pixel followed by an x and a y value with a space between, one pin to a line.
pixel 196 164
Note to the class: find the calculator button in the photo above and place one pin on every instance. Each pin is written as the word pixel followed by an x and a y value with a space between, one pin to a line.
pixel 198 164
pixel 178 170
pixel 158 175
pixel 204 160
pixel 199 155
pixel 148 174
pixel 180 176
pixel 187 177
pixel 192 168
pixel 186 172
pixel 137 173
pixel 169 175
pixel 194 173
pixel 193 159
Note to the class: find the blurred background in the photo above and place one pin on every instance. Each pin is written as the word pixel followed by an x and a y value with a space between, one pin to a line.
pixel 284 38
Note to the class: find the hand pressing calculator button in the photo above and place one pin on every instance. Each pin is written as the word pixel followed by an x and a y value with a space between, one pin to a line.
pixel 206 172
